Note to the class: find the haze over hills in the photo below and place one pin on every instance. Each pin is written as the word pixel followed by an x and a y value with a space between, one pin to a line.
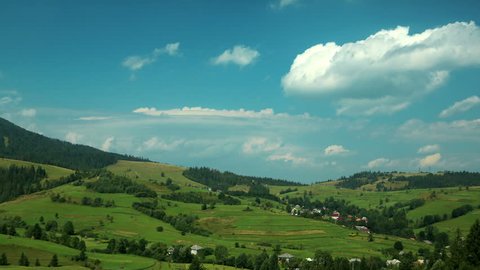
pixel 134 213
pixel 19 143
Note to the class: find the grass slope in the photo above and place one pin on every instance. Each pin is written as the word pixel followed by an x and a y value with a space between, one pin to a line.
pixel 230 224
pixel 14 246
pixel 53 172
pixel 150 173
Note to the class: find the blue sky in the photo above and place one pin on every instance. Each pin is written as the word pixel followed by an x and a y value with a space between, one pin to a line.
pixel 306 90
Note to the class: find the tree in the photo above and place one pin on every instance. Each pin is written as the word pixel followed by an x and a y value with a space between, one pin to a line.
pixel 111 246
pixel 323 259
pixel 370 237
pixel 23 261
pixel 221 253
pixel 241 261
pixel 457 251
pixel 51 225
pixel 82 246
pixel 82 256
pixel 68 228
pixel 273 262
pixel 196 265
pixel 473 244
pixel 3 259
pixel 398 246
pixel 53 261
pixel 260 259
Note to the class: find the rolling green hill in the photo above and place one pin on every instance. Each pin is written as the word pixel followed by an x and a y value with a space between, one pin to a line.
pixel 131 214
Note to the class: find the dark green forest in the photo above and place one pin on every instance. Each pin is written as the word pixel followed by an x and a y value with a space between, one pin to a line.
pixel 218 180
pixel 445 179
pixel 19 143
pixel 15 181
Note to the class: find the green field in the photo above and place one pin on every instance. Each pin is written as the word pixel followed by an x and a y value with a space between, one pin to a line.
pixel 255 230
pixel 53 172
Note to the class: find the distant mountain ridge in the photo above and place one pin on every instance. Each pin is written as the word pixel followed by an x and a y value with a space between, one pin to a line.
pixel 19 143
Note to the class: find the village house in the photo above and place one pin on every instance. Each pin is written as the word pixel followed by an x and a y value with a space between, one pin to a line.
pixel 393 263
pixel 362 229
pixel 195 249
pixel 297 210
pixel 285 257
pixel 335 215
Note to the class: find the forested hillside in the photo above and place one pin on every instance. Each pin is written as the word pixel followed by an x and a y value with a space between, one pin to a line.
pixel 223 180
pixel 18 143
pixel 438 180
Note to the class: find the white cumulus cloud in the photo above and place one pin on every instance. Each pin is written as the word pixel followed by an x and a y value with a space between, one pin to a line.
pixel 430 160
pixel 391 66
pixel 461 106
pixel 239 55
pixel 107 144
pixel 335 149
pixel 431 148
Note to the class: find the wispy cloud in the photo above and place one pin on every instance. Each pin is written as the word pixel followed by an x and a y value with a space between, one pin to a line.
pixel 136 62
pixel 94 118
pixel 73 137
pixel 288 157
pixel 28 112
pixel 378 163
pixel 260 145
pixel 279 4
pixel 239 55
pixel 460 130
pixel 207 112
pixel 385 72
pixel 154 143
pixel 431 148
pixel 460 106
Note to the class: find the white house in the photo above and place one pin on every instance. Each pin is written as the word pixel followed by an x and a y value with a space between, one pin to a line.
pixel 393 263
pixel 195 249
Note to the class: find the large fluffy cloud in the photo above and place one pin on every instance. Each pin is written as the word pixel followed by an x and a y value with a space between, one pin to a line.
pixel 461 106
pixel 386 71
pixel 238 55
